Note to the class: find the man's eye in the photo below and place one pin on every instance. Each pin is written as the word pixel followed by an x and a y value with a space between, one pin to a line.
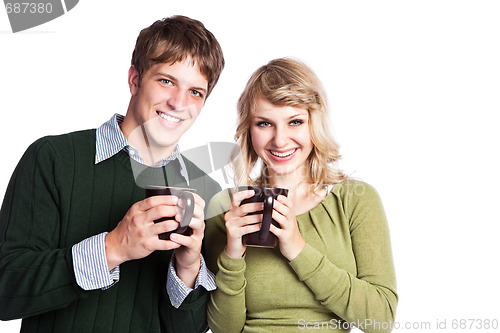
pixel 296 122
pixel 196 93
pixel 263 124
pixel 165 81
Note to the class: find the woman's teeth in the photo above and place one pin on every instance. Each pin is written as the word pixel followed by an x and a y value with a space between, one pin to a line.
pixel 168 118
pixel 285 154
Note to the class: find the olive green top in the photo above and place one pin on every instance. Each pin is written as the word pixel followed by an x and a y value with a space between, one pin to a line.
pixel 344 275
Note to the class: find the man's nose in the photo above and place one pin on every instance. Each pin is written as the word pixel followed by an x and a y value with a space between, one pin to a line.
pixel 177 100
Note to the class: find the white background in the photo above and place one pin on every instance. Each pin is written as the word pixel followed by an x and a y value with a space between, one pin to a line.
pixel 413 89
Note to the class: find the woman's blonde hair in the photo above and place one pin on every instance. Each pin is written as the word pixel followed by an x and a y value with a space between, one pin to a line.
pixel 287 82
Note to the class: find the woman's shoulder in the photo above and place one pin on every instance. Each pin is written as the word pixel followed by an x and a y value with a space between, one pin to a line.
pixel 355 197
pixel 354 190
pixel 352 186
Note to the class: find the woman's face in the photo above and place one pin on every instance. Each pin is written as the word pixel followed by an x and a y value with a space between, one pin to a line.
pixel 281 137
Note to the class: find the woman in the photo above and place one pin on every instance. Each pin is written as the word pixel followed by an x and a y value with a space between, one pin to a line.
pixel 333 265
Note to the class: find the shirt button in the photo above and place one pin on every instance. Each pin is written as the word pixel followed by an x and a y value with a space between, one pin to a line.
pixel 132 153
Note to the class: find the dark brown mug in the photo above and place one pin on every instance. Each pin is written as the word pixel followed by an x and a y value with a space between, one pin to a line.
pixel 186 203
pixel 267 195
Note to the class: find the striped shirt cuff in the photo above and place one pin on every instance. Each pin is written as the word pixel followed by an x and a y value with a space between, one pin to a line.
pixel 177 289
pixel 90 265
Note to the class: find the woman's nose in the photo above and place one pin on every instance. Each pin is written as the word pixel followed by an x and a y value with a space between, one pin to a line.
pixel 280 137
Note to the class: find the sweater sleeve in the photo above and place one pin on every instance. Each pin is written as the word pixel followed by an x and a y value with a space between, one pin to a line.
pixel 191 314
pixel 189 317
pixel 369 297
pixel 226 309
pixel 226 306
pixel 36 271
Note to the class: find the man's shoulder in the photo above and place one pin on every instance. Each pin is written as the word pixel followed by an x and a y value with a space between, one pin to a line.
pixel 62 140
pixel 73 144
pixel 82 136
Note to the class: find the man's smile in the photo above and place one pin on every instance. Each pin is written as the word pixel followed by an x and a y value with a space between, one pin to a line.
pixel 168 118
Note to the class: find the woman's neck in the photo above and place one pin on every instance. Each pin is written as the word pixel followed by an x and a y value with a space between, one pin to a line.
pixel 288 180
pixel 301 191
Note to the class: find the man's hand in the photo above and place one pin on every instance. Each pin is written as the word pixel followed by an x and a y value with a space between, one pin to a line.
pixel 136 235
pixel 187 256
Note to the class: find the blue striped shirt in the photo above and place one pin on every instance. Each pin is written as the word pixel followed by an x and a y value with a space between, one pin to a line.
pixel 89 256
pixel 110 140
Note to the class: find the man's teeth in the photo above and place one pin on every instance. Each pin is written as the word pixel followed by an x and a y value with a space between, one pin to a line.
pixel 285 154
pixel 168 118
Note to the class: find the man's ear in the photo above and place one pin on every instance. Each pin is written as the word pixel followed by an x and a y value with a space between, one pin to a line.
pixel 133 79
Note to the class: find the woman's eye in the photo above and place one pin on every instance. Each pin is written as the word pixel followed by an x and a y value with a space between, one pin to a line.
pixel 296 122
pixel 263 124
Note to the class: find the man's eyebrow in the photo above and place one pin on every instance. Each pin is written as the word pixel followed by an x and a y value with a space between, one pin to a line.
pixel 164 74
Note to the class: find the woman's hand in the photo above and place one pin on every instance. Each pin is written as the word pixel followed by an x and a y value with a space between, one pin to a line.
pixel 239 223
pixel 291 242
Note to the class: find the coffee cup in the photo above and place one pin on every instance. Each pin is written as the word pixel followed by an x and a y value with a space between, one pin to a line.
pixel 185 204
pixel 266 195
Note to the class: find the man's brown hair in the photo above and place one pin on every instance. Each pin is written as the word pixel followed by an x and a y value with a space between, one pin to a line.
pixel 175 39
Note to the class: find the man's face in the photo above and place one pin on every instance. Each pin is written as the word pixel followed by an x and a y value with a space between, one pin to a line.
pixel 167 102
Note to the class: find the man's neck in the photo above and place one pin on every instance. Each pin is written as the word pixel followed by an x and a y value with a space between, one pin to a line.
pixel 151 154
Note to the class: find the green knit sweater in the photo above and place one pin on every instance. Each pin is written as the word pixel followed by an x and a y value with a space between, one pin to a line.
pixel 56 198
pixel 343 276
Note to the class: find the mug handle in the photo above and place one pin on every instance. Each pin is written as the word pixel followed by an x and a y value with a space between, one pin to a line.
pixel 267 216
pixel 188 210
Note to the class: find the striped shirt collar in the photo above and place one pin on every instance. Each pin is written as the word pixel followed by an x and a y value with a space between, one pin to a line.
pixel 110 140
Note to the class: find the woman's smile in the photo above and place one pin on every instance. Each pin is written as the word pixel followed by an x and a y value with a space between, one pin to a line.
pixel 282 156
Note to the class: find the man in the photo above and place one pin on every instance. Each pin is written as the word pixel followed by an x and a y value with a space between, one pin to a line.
pixel 79 248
